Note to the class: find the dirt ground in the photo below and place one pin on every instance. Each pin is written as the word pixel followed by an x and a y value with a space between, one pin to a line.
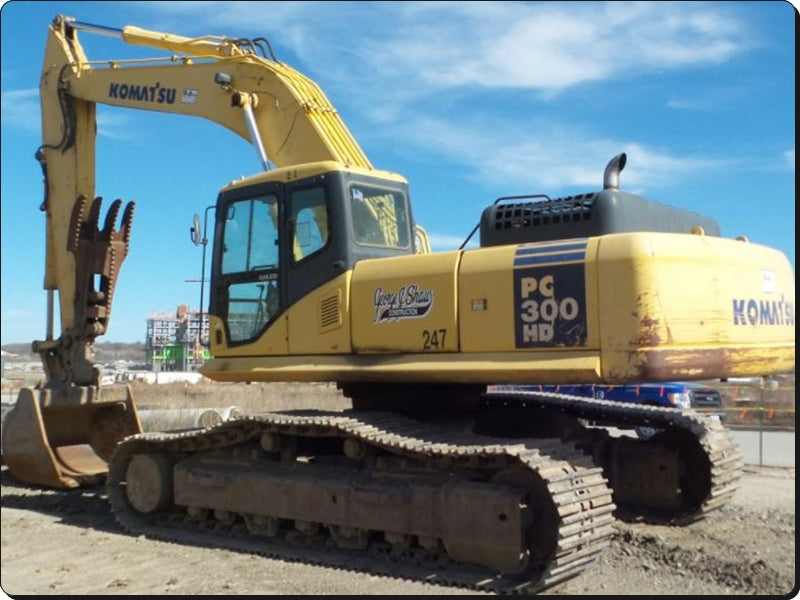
pixel 56 542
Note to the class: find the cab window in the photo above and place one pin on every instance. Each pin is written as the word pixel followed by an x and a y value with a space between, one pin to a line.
pixel 251 236
pixel 250 266
pixel 379 217
pixel 308 222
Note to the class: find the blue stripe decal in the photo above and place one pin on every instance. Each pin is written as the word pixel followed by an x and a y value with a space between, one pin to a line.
pixel 550 258
pixel 573 245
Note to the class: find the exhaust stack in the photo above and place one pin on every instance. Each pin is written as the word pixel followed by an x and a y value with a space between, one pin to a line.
pixel 613 168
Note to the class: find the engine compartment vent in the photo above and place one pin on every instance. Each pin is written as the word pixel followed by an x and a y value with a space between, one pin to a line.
pixel 521 215
pixel 330 314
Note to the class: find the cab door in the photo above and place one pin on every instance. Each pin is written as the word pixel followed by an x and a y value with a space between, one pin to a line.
pixel 316 263
pixel 250 278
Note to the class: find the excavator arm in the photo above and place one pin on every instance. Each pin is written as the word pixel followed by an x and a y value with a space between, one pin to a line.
pixel 62 433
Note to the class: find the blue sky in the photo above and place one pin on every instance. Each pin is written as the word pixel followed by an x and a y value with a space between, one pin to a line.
pixel 468 100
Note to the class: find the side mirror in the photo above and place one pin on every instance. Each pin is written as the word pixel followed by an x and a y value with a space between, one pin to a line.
pixel 194 231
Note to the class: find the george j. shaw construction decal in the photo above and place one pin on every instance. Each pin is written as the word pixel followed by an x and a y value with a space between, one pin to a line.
pixel 550 295
pixel 408 302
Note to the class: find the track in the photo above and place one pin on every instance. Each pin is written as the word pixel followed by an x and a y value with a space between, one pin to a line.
pixel 688 470
pixel 360 489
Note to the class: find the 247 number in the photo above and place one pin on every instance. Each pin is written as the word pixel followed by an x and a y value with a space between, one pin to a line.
pixel 433 339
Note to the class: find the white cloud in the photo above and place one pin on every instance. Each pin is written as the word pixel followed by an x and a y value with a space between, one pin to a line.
pixel 788 158
pixel 540 46
pixel 689 104
pixel 553 46
pixel 115 125
pixel 558 157
pixel 20 109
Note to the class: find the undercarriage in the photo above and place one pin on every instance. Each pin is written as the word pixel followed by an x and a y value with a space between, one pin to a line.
pixel 516 495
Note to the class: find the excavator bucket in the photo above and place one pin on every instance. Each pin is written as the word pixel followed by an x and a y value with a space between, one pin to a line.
pixel 65 444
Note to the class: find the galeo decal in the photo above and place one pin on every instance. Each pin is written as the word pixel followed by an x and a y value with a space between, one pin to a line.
pixel 749 311
pixel 550 295
pixel 409 302
pixel 144 93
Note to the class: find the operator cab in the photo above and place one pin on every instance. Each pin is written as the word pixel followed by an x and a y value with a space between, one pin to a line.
pixel 283 233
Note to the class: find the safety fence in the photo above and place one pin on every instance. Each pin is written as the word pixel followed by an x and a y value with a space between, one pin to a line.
pixel 760 414
pixel 761 417
pixel 759 404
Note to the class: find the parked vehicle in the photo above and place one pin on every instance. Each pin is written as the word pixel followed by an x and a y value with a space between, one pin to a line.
pixel 673 394
pixel 701 397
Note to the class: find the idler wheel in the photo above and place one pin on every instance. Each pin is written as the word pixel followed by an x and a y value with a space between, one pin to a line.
pixel 149 482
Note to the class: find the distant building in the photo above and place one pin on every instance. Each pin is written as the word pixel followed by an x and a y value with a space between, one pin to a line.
pixel 177 341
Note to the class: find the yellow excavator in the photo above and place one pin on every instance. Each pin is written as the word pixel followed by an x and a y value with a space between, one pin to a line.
pixel 443 469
